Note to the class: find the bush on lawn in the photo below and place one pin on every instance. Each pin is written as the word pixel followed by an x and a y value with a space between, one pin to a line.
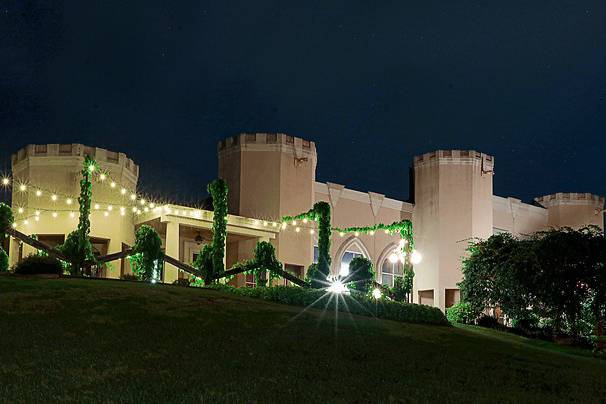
pixel 361 305
pixel 461 313
pixel 3 261
pixel 361 274
pixel 488 322
pixel 38 265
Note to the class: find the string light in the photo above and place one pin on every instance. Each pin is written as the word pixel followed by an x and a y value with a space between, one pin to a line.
pixel 102 177
pixel 294 222
pixel 72 215
pixel 91 168
pixel 5 181
pixel 133 197
pixel 38 193
pixel 110 208
pixel 54 214
pixel 298 229
pixel 341 234
pixel 305 220
pixel 14 225
pixel 20 210
pixel 311 231
pixel 112 184
pixel 22 187
pixel 97 206
pixel 357 234
pixel 372 233
pixel 53 197
pixel 37 218
pixel 106 213
pixel 265 224
pixel 37 213
pixel 123 191
pixel 68 201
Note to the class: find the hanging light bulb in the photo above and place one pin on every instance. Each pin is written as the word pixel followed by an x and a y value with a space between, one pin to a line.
pixel 123 191
pixel 112 184
pixel 311 231
pixel 110 207
pixel 305 220
pixel 152 205
pixel 265 224
pixel 298 229
pixel 20 210
pixel 68 201
pixel 5 181
pixel 134 209
pixel 37 213
pixel 142 202
pixel 72 215
pixel 372 233
pixel 91 168
pixel 38 193
pixel 22 187
pixel 102 177
pixel 341 234
pixel 274 224
pixel 97 206
pixel 54 214
pixel 284 226
pixel 106 213
pixel 357 234
pixel 386 231
pixel 53 197
pixel 26 221
pixel 133 197
pixel 37 218
pixel 146 209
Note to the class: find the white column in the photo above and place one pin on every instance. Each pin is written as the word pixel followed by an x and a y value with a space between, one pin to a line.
pixel 171 248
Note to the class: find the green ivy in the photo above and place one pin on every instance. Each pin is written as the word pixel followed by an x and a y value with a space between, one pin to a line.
pixel 210 259
pixel 320 213
pixel 6 221
pixel 361 274
pixel 77 246
pixel 403 227
pixel 146 252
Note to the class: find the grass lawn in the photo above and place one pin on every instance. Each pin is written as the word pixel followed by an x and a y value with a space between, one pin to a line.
pixel 111 341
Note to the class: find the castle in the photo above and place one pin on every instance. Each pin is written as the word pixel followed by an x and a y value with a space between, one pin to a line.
pixel 271 175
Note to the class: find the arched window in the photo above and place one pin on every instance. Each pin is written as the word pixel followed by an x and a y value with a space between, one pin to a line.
pixel 390 271
pixel 349 250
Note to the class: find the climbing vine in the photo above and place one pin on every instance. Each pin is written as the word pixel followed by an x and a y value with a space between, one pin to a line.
pixel 321 213
pixel 77 246
pixel 403 227
pixel 210 259
pixel 147 252
pixel 6 221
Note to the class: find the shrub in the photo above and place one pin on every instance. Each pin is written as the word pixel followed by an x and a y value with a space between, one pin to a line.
pixel 488 322
pixel 3 261
pixel 36 264
pixel 461 313
pixel 360 305
pixel 147 251
pixel 315 277
pixel 361 274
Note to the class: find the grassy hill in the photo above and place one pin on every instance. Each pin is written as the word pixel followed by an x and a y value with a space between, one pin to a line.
pixel 85 340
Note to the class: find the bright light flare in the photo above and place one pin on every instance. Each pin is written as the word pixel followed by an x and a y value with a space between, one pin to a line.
pixel 415 257
pixel 376 293
pixel 337 287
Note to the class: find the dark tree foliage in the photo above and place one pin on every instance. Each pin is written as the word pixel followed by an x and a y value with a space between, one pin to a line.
pixel 361 274
pixel 402 288
pixel 38 265
pixel 6 221
pixel 554 278
pixel 146 252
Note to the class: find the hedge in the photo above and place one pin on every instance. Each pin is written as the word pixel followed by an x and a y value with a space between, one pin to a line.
pixel 364 306
pixel 38 264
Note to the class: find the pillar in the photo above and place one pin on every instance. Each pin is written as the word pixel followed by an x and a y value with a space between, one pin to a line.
pixel 171 248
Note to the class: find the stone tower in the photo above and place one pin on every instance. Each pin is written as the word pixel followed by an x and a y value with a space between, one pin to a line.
pixel 48 206
pixel 271 175
pixel 453 205
pixel 573 209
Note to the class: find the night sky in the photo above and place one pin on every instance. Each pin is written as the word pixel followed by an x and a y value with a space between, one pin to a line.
pixel 373 83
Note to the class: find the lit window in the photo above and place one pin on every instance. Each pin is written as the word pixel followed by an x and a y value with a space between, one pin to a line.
pixel 316 254
pixel 390 271
pixel 348 256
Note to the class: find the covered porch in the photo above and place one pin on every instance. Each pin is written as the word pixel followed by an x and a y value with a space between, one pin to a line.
pixel 184 231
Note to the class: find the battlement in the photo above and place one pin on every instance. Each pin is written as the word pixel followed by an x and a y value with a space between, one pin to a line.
pixel 456 156
pixel 102 156
pixel 570 198
pixel 266 141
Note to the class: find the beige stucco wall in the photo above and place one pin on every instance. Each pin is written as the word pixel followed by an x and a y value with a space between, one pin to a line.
pixel 55 169
pixel 271 176
pixel 355 208
pixel 573 209
pixel 453 206
pixel 513 216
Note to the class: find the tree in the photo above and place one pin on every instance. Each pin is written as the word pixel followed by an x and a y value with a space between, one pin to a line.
pixel 361 274
pixel 146 253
